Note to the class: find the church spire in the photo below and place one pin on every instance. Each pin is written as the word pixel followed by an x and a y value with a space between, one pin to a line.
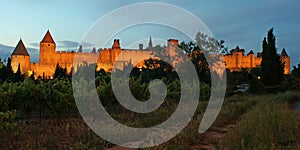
pixel 150 46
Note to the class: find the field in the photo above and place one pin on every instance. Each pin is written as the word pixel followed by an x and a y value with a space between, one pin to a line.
pixel 245 122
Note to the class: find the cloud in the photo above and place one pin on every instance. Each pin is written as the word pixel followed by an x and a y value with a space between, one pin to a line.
pixel 35 44
pixel 87 44
pixel 69 45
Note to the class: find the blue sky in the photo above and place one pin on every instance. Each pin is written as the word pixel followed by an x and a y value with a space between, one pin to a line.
pixel 242 23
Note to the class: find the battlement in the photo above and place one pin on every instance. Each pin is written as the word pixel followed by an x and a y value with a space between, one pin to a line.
pixel 64 52
pixel 107 57
pixel 237 60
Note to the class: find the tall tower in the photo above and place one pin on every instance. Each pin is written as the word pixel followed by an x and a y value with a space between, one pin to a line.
pixel 47 50
pixel 115 51
pixel 285 58
pixel 20 57
pixel 252 59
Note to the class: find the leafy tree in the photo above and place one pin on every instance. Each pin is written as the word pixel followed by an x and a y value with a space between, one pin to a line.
pixel 154 69
pixel 201 66
pixel 203 47
pixel 197 57
pixel 62 101
pixel 210 44
pixel 188 48
pixel 271 66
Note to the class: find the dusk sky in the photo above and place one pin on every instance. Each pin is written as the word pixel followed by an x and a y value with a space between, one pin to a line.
pixel 242 23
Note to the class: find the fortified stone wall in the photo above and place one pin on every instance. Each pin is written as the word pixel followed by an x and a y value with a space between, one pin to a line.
pixel 108 57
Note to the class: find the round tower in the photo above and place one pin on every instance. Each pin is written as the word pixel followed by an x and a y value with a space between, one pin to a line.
pixel 20 57
pixel 47 50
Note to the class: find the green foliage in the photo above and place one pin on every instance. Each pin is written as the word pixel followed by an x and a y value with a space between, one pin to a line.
pixel 154 69
pixel 105 94
pixel 270 124
pixel 8 126
pixel 60 72
pixel 234 108
pixel 6 73
pixel 42 98
pixel 296 71
pixel 256 87
pixel 198 59
pixel 18 76
pixel 61 98
pixel 237 78
pixel 271 65
pixel 204 91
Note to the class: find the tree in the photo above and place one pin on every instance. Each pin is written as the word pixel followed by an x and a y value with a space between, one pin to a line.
pixel 6 72
pixel 188 48
pixel 272 68
pixel 296 71
pixel 60 72
pixel 80 49
pixel 9 65
pixel 200 51
pixel 94 50
pixel 18 75
pixel 210 44
pixel 197 57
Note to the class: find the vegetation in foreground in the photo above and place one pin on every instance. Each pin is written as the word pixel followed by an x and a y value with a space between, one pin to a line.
pixel 261 122
pixel 271 124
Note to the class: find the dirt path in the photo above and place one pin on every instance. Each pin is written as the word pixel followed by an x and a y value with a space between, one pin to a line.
pixel 211 138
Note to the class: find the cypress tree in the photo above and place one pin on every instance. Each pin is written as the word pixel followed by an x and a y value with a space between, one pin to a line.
pixel 18 75
pixel 271 65
pixel 60 72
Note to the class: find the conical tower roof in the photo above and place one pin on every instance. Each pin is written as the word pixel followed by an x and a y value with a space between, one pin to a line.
pixel 251 52
pixel 47 38
pixel 20 49
pixel 283 53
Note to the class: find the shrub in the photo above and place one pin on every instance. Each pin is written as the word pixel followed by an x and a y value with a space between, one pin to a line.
pixel 269 125
pixel 8 126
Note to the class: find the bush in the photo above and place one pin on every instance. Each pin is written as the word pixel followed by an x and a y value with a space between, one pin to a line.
pixel 8 126
pixel 269 125
pixel 204 91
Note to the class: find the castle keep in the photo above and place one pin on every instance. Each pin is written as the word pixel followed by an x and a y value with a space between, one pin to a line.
pixel 106 58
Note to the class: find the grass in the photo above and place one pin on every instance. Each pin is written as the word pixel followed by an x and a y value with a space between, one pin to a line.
pixel 262 122
pixel 54 134
pixel 269 125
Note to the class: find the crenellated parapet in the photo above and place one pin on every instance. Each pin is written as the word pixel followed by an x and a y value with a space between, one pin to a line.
pixel 106 58
pixel 237 60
